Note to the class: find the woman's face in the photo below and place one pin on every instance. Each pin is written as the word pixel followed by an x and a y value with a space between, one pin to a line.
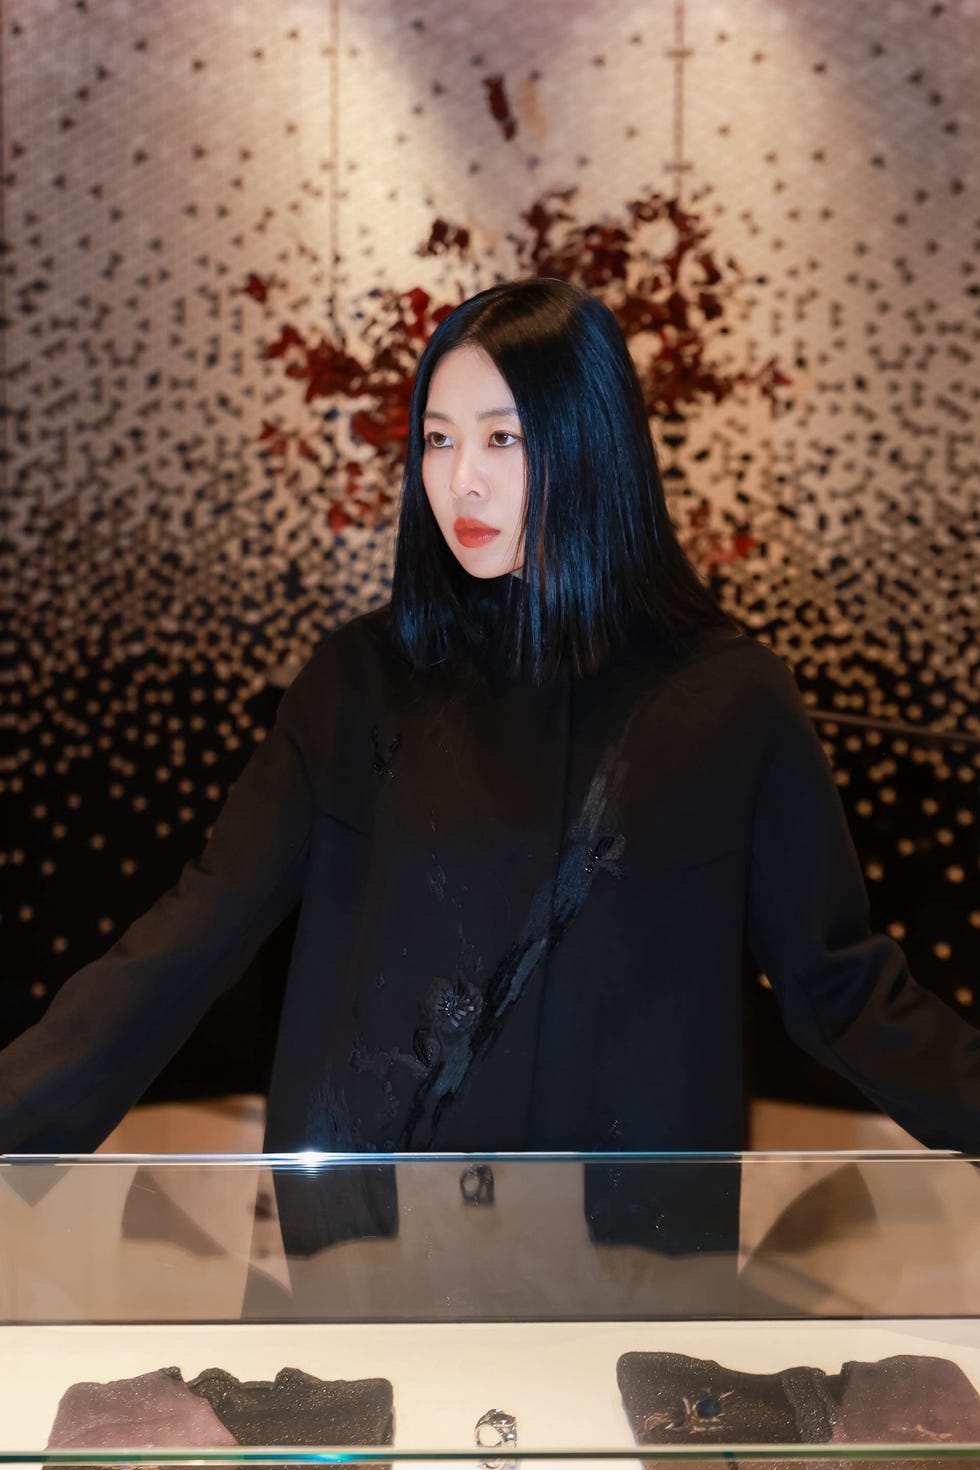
pixel 473 463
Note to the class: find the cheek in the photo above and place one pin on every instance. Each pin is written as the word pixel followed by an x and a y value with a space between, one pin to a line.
pixel 517 489
pixel 429 481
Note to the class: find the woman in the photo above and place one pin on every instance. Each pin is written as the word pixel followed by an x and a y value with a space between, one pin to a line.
pixel 530 810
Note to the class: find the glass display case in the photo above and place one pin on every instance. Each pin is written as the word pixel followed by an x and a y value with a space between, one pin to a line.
pixel 564 1308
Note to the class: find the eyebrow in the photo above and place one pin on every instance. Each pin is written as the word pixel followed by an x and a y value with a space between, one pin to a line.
pixel 488 413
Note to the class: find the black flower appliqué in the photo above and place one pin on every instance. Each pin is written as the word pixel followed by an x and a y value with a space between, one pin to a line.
pixel 454 1006
pixel 606 854
pixel 381 765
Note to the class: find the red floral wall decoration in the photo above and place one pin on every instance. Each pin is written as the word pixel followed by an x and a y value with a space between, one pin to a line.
pixel 654 266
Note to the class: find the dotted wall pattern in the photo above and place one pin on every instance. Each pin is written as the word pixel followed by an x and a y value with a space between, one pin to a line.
pixel 186 186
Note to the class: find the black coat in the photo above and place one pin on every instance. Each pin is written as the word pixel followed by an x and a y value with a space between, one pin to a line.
pixel 522 919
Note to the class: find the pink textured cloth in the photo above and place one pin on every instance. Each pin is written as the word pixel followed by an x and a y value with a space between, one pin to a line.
pixel 152 1411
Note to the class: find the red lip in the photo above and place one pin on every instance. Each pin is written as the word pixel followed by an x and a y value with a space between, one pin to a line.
pixel 470 532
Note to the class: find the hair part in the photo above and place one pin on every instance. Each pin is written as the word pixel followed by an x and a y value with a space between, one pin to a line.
pixel 599 548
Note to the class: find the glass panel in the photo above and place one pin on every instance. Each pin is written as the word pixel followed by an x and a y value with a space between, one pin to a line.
pixel 490 1308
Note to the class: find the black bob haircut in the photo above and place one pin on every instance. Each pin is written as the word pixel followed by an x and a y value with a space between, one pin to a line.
pixel 599 548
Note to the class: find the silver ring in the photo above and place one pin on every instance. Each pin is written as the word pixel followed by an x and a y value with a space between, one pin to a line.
pixel 493 1429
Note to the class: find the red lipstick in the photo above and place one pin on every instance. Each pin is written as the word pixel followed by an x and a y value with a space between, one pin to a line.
pixel 473 533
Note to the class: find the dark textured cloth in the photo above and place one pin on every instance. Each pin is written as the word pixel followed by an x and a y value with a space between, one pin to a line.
pixel 151 1411
pixel 672 1398
pixel 522 922
pixel 297 1409
pixel 909 1399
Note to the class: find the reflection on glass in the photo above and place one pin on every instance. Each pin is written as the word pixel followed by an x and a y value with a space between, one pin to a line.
pixel 491 1308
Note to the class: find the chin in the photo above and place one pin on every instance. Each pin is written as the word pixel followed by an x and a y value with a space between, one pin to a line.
pixel 486 573
pixel 483 568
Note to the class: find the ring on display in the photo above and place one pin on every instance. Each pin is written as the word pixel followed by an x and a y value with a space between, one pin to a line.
pixel 495 1428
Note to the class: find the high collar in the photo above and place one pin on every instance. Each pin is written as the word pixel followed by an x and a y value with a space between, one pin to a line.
pixel 487 598
pixel 491 606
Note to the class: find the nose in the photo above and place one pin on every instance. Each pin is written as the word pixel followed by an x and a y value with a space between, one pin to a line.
pixel 466 478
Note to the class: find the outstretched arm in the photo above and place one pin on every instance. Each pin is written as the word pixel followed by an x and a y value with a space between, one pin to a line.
pixel 845 993
pixel 66 1081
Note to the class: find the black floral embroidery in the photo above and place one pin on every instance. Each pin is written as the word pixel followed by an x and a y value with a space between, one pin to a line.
pixel 466 1021
pixel 606 854
pixel 458 1020
pixel 381 765
pixel 437 880
pixel 454 1006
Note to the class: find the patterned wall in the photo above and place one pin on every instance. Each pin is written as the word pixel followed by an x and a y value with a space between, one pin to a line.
pixel 227 230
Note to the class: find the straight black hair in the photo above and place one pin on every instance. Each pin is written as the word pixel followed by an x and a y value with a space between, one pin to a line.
pixel 599 548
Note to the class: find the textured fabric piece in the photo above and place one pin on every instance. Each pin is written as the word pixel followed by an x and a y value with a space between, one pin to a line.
pixel 152 1410
pixel 674 1399
pixel 522 918
pixel 298 1409
pixel 907 1398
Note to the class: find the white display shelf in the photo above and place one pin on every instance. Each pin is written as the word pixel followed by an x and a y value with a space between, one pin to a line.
pixel 557 1378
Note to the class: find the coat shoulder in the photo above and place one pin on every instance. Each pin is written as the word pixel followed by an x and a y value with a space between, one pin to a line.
pixel 746 666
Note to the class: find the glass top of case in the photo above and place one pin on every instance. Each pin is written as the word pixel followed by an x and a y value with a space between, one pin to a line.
pixel 490 1308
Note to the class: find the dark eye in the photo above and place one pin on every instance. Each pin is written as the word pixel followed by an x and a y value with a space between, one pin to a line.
pixel 503 434
pixel 708 1407
pixel 432 436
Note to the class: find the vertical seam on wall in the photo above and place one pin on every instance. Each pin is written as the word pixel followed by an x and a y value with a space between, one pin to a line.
pixel 5 438
pixel 679 95
pixel 678 53
pixel 335 157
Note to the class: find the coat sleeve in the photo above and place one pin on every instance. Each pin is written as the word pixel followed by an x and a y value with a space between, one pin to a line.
pixel 845 993
pixel 67 1081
